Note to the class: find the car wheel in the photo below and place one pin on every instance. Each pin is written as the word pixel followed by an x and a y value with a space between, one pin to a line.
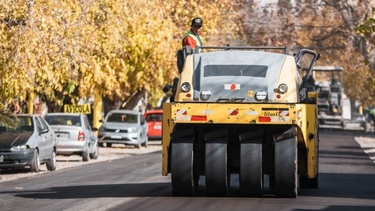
pixel 138 146
pixel 109 144
pixel 365 127
pixel 145 144
pixel 35 163
pixel 51 164
pixel 86 155
pixel 101 144
pixel 95 154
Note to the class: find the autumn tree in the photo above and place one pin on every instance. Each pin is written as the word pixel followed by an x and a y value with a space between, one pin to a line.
pixel 326 26
pixel 66 50
pixel 366 30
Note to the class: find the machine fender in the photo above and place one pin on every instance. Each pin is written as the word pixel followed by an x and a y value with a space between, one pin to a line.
pixel 292 132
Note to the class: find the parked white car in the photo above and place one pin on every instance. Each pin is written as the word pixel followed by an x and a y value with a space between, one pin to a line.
pixel 74 135
pixel 26 140
pixel 123 127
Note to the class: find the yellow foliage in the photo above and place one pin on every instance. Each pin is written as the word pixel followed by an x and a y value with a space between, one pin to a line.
pixel 115 46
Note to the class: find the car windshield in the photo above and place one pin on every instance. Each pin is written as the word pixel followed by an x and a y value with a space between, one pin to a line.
pixel 154 117
pixel 63 120
pixel 123 118
pixel 16 124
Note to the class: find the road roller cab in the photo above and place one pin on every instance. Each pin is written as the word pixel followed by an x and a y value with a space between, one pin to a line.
pixel 241 112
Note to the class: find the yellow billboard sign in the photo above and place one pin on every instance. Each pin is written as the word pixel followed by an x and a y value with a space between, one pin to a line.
pixel 75 108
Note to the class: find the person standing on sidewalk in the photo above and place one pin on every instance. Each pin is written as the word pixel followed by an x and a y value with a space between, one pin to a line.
pixel 16 108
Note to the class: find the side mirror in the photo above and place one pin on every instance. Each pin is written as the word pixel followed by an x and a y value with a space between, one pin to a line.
pixel 313 60
pixel 43 131
pixel 167 87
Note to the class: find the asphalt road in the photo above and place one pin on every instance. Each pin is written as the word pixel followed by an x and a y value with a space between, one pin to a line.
pixel 346 180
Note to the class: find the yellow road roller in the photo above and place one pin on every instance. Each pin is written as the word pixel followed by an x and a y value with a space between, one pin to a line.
pixel 245 112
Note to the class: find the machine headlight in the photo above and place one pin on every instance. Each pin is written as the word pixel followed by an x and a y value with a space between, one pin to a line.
pixel 185 87
pixel 21 148
pixel 282 88
pixel 132 130
pixel 260 95
pixel 205 95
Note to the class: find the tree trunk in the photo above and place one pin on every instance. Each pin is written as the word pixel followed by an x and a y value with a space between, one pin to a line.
pixel 138 99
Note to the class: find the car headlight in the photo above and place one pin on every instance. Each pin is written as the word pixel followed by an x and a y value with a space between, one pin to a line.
pixel 133 130
pixel 21 148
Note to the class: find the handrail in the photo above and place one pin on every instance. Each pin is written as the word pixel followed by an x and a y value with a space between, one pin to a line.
pixel 285 48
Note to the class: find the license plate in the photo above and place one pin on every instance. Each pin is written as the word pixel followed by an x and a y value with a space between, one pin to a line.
pixel 116 137
pixel 62 135
pixel 157 127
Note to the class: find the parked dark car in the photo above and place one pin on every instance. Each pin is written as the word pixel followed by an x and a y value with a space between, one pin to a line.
pixel 74 135
pixel 26 140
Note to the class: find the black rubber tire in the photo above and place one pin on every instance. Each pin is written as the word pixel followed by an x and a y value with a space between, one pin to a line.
pixel 86 155
pixel 109 144
pixel 251 176
pixel 216 169
pixel 51 164
pixel 138 146
pixel 145 144
pixel 95 154
pixel 183 180
pixel 272 181
pixel 286 168
pixel 35 163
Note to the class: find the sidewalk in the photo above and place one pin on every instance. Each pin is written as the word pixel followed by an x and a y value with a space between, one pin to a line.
pixel 368 145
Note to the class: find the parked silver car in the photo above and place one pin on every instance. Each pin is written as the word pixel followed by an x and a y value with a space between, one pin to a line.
pixel 26 140
pixel 123 127
pixel 74 135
